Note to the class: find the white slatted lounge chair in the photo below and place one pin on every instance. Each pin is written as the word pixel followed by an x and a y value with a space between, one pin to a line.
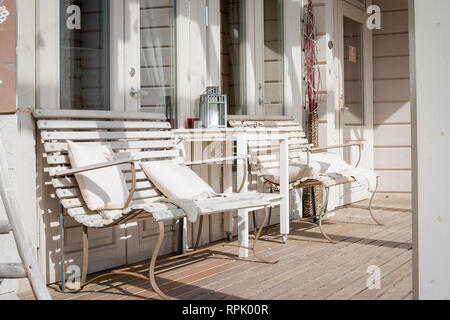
pixel 265 155
pixel 134 137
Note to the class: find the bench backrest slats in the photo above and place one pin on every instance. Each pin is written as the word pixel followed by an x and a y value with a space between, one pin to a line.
pixel 142 136
pixel 116 145
pixel 264 151
pixel 112 125
pixel 96 115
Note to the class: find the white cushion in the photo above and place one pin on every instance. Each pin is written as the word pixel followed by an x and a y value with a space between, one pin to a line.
pixel 101 189
pixel 296 172
pixel 330 162
pixel 176 181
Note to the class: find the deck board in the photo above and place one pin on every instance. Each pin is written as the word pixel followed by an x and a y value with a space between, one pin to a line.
pixel 309 267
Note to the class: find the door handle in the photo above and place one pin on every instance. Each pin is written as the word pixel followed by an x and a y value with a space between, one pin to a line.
pixel 140 92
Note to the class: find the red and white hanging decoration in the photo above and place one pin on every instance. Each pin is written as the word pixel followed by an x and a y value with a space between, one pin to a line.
pixel 311 57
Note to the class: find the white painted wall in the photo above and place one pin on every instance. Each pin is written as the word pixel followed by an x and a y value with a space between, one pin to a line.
pixel 8 134
pixel 392 108
pixel 430 50
pixel 17 133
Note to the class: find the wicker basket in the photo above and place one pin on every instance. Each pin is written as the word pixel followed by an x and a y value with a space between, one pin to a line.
pixel 314 196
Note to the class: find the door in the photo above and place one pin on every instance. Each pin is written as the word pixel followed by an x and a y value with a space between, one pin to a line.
pixel 355 99
pixel 264 57
pixel 150 80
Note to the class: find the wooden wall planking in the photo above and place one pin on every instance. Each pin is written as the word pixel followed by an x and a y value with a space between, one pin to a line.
pixel 392 107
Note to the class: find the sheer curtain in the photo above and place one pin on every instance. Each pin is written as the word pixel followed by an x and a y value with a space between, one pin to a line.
pixel 157 28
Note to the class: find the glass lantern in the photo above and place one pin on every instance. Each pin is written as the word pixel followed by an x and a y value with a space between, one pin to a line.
pixel 213 108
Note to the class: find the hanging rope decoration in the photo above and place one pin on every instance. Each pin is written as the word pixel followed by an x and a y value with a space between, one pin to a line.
pixel 312 63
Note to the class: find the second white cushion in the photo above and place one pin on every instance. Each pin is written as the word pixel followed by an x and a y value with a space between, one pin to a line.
pixel 176 181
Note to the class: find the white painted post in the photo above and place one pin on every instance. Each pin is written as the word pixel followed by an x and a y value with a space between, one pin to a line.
pixel 228 187
pixel 284 186
pixel 242 214
pixel 430 70
pixel 24 245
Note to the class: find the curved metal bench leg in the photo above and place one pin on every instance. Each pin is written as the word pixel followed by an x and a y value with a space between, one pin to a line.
pixel 257 237
pixel 322 214
pixel 199 233
pixel 255 227
pixel 153 263
pixel 270 218
pixel 370 207
pixel 267 225
pixel 85 256
pixel 63 288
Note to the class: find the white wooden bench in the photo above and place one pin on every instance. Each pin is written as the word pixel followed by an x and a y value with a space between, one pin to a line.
pixel 135 138
pixel 266 153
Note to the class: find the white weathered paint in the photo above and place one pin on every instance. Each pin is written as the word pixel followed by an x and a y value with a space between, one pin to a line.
pixel 243 225
pixel 7 244
pixel 284 184
pixel 20 141
pixel 430 49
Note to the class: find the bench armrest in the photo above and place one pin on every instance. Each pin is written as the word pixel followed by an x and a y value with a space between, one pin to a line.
pixel 341 146
pixel 106 165
pixel 93 167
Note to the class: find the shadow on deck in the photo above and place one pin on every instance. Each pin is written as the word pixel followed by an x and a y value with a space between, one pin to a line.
pixel 309 267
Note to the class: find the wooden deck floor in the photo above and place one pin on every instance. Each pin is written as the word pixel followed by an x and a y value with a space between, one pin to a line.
pixel 309 267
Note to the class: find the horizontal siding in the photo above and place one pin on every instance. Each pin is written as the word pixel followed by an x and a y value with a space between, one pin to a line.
pixel 387 135
pixel 393 158
pixel 392 112
pixel 393 22
pixel 392 107
pixel 391 45
pixel 394 181
pixel 391 68
pixel 391 90
pixel 391 5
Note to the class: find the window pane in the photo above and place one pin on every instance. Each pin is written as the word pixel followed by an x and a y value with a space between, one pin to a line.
pixel 353 73
pixel 84 54
pixel 232 55
pixel 273 57
pixel 158 57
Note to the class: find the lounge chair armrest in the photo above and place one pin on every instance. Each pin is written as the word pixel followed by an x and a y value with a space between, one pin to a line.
pixel 216 160
pixel 341 146
pixel 93 167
